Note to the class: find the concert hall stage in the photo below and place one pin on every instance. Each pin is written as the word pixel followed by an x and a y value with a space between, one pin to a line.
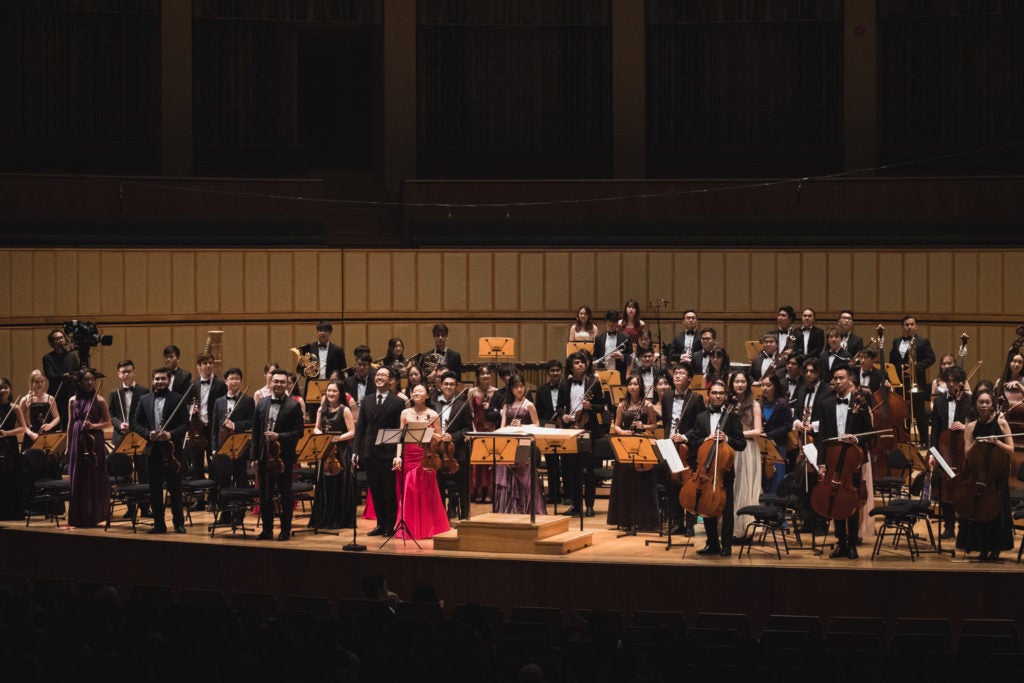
pixel 614 573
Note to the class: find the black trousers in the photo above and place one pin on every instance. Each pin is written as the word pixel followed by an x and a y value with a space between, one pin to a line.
pixel 283 484
pixel 711 524
pixel 159 476
pixel 381 480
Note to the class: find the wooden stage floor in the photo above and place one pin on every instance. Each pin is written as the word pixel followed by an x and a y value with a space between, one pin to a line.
pixel 614 573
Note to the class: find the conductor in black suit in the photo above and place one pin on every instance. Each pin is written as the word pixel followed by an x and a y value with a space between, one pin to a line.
pixel 160 422
pixel 379 410
pixel 278 420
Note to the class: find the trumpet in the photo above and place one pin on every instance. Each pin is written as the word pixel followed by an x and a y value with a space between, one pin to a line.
pixel 309 361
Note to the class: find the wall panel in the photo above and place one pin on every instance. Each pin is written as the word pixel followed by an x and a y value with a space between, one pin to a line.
pixel 147 299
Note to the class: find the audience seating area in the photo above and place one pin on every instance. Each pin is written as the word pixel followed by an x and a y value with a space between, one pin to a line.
pixel 55 629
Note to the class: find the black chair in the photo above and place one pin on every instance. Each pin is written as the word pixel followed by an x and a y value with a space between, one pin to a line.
pixel 195 489
pixel 232 501
pixel 124 490
pixel 894 486
pixel 50 491
pixel 899 517
pixel 767 518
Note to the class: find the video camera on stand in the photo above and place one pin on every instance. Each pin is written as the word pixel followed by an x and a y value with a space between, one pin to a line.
pixel 85 335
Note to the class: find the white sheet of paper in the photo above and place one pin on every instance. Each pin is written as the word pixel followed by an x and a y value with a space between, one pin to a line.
pixel 670 453
pixel 942 462
pixel 811 453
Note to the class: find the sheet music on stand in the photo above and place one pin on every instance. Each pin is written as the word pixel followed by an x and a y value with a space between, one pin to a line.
pixel 670 454
pixel 942 462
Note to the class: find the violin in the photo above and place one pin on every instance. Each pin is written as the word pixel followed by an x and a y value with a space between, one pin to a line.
pixel 439 456
pixel 195 439
pixel 633 416
pixel 272 454
pixel 703 492
pixel 87 451
pixel 331 464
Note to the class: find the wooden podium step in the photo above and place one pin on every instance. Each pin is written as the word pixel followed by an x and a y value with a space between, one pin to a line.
pixel 502 533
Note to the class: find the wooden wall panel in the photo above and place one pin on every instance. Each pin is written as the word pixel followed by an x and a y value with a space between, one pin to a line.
pixel 147 299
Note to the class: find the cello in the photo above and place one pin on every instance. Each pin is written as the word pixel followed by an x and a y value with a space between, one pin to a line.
pixel 703 492
pixel 977 494
pixel 890 411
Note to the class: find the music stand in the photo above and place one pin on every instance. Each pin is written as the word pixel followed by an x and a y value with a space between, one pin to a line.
pixel 315 389
pixel 414 432
pixel 609 378
pixel 574 346
pixel 618 392
pixel 307 431
pixel 496 348
pixel 54 442
pixel 314 447
pixel 488 448
pixel 629 451
pixel 132 444
pixel 235 445
pixel 669 453
pixel 557 445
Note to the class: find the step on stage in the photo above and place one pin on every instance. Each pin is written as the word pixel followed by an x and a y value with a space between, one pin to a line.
pixel 606 572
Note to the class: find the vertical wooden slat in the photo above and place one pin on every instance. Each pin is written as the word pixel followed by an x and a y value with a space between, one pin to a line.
pixel 915 287
pixel 556 282
pixel 713 267
pixel 45 285
pixel 20 282
pixel 455 295
pixel 88 280
pixel 208 279
pixel 633 268
pixel 282 282
pixel 736 282
pixel 404 279
pixel 581 288
pixel 480 282
pixel 429 281
pixel 257 281
pixel 183 293
pixel 378 294
pixel 608 288
pixel 890 273
pixel 815 281
pixel 505 275
pixel 330 265
pixel 531 282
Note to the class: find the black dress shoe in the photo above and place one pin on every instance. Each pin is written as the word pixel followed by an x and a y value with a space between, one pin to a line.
pixel 284 535
pixel 389 532
pixel 571 512
pixel 948 534
pixel 679 529
pixel 710 550
pixel 265 536
pixel 726 551
pixel 157 530
pixel 376 531
pixel 179 528
pixel 590 511
pixel 688 532
pixel 853 553
pixel 840 551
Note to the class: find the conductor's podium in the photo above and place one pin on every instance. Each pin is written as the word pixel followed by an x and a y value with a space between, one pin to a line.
pixel 507 533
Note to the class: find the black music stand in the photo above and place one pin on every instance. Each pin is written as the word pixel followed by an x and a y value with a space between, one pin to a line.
pixel 235 445
pixel 355 545
pixel 669 453
pixel 312 451
pixel 491 449
pixel 630 451
pixel 414 432
pixel 948 471
pixel 53 443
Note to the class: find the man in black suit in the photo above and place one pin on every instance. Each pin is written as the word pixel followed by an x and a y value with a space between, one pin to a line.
pixel 679 411
pixel 806 402
pixel 546 402
pixel 206 389
pixel 785 318
pixel 380 410
pixel 792 375
pixel 810 339
pixel 924 358
pixel 687 342
pixel 330 358
pixel 834 356
pixel 708 345
pixel 766 357
pixel 454 420
pixel 449 358
pixel 851 342
pixel 864 372
pixel 233 414
pixel 58 366
pixel 163 425
pixel 614 344
pixel 124 403
pixel 580 394
pixel 837 418
pixel 359 383
pixel 949 413
pixel 278 420
pixel 716 424
pixel 180 378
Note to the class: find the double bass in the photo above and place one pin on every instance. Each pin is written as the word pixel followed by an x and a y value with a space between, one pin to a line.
pixel 951 447
pixel 703 492
pixel 977 493
pixel 890 411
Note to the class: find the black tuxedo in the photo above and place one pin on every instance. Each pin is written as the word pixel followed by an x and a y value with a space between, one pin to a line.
pixel 179 381
pixel 693 405
pixel 697 364
pixel 841 360
pixel 815 343
pixel 732 427
pixel 547 411
pixel 377 459
pixel 217 389
pixel 939 423
pixel 452 360
pixel 601 349
pixel 335 359
pixel 352 386
pixel 853 344
pixel 679 346
pixel 856 422
pixel 457 420
pixel 760 363
pixel 924 358
pixel 579 467
pixel 289 427
pixel 118 403
pixel 875 381
pixel 55 367
pixel 158 453
pixel 244 409
pixel 799 402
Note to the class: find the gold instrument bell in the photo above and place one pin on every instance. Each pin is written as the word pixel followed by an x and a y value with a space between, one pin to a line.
pixel 309 361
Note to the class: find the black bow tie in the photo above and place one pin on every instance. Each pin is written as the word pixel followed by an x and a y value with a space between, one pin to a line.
pixel 680 395
pixel 792 381
pixel 128 390
pixel 276 401
pixel 161 393
pixel 442 401
pixel 843 401
pixel 907 339
pixel 714 410
pixel 204 381
pixel 323 346
pixel 577 381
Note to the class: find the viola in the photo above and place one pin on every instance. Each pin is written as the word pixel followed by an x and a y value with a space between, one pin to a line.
pixel 431 461
pixel 275 463
pixel 195 439
pixel 837 495
pixel 331 464
pixel 441 456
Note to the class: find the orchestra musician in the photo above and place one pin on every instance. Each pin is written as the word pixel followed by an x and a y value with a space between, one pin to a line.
pixel 278 420
pixel 630 323
pixel 266 389
pixel 607 345
pixel 911 344
pixel 679 411
pixel 851 343
pixel 687 342
pixel 841 416
pixel 865 373
pixel 633 498
pixel 123 403
pixel 701 363
pixel 810 340
pixel 58 365
pixel 833 356
pixel 747 462
pixel 379 410
pixel 767 358
pixel 806 401
pixel 580 401
pixel 206 389
pixel 718 423
pixel 583 329
pixel 776 424
pixel 513 483
pixel 163 426
pixel 785 317
pixel 949 413
pixel 12 426
pixel 451 359
pixel 546 402
pixel 88 417
pixel 179 377
pixel 232 413
pixel 38 409
pixel 947 361
pixel 455 419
